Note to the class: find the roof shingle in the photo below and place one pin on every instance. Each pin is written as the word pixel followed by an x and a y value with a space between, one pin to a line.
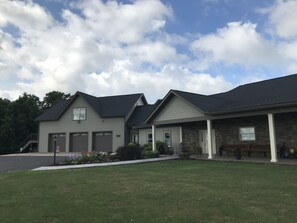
pixel 106 107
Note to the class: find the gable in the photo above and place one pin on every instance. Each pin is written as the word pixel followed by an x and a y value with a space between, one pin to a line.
pixel 79 102
pixel 176 109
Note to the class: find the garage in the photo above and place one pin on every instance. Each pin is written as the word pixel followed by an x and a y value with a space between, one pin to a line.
pixel 60 142
pixel 79 142
pixel 102 141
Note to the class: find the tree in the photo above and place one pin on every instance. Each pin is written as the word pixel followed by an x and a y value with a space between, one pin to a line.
pixel 53 97
pixel 25 109
pixel 19 121
pixel 17 118
pixel 6 132
pixel 4 103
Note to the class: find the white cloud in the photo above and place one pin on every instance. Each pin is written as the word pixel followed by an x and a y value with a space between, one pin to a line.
pixel 28 16
pixel 156 53
pixel 105 49
pixel 282 18
pixel 238 43
pixel 122 79
pixel 125 23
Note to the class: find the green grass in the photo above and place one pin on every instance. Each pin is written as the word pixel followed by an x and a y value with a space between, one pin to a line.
pixel 170 191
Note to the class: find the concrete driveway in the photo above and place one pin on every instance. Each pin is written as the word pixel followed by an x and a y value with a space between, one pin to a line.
pixel 29 161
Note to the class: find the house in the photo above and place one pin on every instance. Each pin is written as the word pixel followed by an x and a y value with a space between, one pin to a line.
pixel 259 116
pixel 87 123
pixel 141 132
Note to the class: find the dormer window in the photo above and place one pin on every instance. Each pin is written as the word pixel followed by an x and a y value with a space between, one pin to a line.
pixel 79 114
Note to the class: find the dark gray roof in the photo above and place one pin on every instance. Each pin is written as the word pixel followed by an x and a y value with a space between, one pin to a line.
pixel 278 92
pixel 203 102
pixel 113 106
pixel 140 114
pixel 52 113
pixel 274 93
pixel 106 107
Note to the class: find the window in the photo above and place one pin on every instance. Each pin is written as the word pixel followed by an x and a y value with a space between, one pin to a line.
pixel 134 138
pixel 167 138
pixel 79 114
pixel 149 137
pixel 247 134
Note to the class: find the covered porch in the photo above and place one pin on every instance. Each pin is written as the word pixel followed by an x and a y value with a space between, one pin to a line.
pixel 268 132
pixel 265 137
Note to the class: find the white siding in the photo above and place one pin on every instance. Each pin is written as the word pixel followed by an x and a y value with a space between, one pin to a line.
pixel 175 135
pixel 93 123
pixel 177 109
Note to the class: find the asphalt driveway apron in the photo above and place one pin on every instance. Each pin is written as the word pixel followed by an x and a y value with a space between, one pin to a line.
pixel 16 162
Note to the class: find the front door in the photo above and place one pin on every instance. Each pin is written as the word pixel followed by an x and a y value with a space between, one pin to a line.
pixel 203 142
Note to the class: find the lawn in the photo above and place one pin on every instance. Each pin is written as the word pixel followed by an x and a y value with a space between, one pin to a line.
pixel 170 191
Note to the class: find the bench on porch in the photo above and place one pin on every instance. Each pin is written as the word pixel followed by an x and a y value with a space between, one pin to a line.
pixel 245 148
pixel 260 148
pixel 230 148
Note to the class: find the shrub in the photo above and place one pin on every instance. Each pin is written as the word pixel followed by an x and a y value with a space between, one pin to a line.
pixel 149 153
pixel 113 156
pixel 147 147
pixel 101 157
pixel 68 161
pixel 129 152
pixel 197 150
pixel 161 147
pixel 87 157
pixel 184 152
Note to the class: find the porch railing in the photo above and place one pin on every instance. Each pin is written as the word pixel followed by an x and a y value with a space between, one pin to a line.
pixel 29 142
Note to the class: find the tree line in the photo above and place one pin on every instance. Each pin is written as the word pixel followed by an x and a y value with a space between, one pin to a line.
pixel 17 118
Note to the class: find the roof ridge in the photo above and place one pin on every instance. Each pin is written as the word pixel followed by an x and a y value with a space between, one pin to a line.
pixel 109 96
pixel 261 81
pixel 189 92
pixel 120 95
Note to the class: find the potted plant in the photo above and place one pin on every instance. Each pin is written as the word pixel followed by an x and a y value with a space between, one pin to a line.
pixel 238 153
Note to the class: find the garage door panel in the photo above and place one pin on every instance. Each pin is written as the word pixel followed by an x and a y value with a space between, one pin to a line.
pixel 79 142
pixel 102 141
pixel 60 141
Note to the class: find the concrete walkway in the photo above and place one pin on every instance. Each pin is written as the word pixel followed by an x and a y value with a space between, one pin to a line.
pixel 264 160
pixel 106 164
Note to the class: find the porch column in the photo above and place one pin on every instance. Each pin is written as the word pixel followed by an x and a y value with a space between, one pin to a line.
pixel 154 137
pixel 273 150
pixel 180 134
pixel 209 138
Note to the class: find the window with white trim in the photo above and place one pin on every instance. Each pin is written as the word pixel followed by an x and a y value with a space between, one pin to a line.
pixel 247 134
pixel 167 138
pixel 79 114
pixel 149 137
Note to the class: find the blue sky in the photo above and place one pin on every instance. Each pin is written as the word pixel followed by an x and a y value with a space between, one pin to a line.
pixel 149 46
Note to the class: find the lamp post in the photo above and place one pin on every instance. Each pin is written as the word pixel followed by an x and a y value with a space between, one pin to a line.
pixel 55 145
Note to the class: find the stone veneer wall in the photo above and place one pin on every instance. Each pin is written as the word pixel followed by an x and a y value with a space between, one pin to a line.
pixel 227 130
pixel 286 129
pixel 190 133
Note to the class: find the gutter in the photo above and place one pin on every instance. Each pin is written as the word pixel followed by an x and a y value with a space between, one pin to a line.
pixel 250 109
